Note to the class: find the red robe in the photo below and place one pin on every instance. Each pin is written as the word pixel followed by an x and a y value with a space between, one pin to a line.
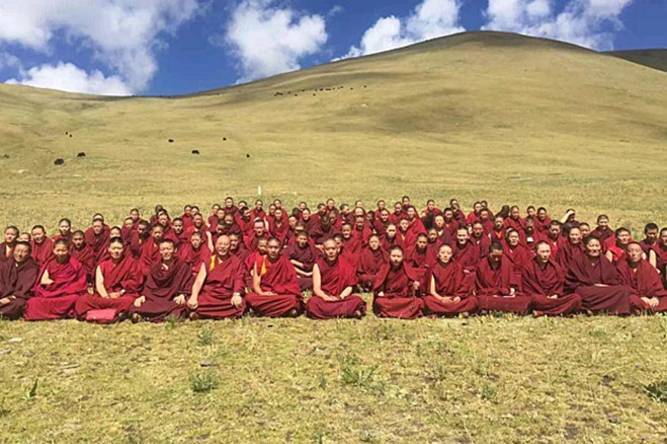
pixel 194 258
pixel 420 263
pixel 307 256
pixel 98 243
pixel 585 272
pixel 17 280
pixel 57 300
pixel 368 266
pixel 150 255
pixel 567 253
pixel 223 279
pixel 449 280
pixel 398 300
pixel 542 226
pixel 42 252
pixel 277 277
pixel 85 256
pixel 540 282
pixel 162 285
pixel 644 281
pixel 661 257
pixel 520 256
pixel 124 276
pixel 492 286
pixel 336 277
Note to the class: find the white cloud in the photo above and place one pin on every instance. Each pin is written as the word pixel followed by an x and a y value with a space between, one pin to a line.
pixel 582 22
pixel 269 40
pixel 68 77
pixel 122 34
pixel 430 19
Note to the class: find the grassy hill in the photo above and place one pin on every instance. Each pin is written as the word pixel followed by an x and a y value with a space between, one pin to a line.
pixel 653 58
pixel 477 115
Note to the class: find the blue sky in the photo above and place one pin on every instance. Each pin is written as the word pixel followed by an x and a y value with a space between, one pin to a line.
pixel 165 47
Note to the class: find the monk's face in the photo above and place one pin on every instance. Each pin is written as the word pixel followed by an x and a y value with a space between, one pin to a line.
pixel 445 254
pixel 141 229
pixel 634 253
pixel 345 210
pixel 448 215
pixel 64 227
pixel 21 253
pixel 391 231
pixel 115 250
pixel 331 250
pixel 404 225
pixel 513 238
pixel 98 226
pixel 498 223
pixel 233 242
pixel 623 237
pixel 262 246
pixel 360 222
pixel 398 208
pixel 278 203
pixel 430 205
pixel 603 222
pixel 495 256
pixel 115 232
pixel 421 243
pixel 663 237
pixel 229 203
pixel 530 212
pixel 60 252
pixel 543 253
pixel 574 236
pixel 292 221
pixel 187 210
pixel 412 213
pixel 384 216
pixel 432 235
pixel 167 251
pixel 461 236
pixel 302 240
pixel 359 204
pixel 38 235
pixel 228 220
pixel 454 204
pixel 339 243
pixel 259 229
pixel 178 226
pixel 77 241
pixel 405 201
pixel 198 220
pixel 477 231
pixel 273 249
pixel 157 233
pixel 134 214
pixel 195 210
pixel 396 258
pixel 515 213
pixel 10 235
pixel 220 228
pixel 382 205
pixel 258 205
pixel 128 223
pixel 477 207
pixel 542 215
pixel 220 214
pixel 484 215
pixel 585 230
pixel 554 231
pixel 305 215
pixel 346 231
pixel 278 214
pixel 439 221
pixel 25 237
pixel 163 219
pixel 374 243
pixel 215 208
pixel 593 248
pixel 195 241
pixel 222 246
pixel 651 235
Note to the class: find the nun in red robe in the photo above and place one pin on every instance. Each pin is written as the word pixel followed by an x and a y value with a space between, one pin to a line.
pixel 496 287
pixel 218 288
pixel 448 292
pixel 61 282
pixel 395 287
pixel 333 282
pixel 276 291
pixel 118 282
pixel 648 293
pixel 17 279
pixel 597 281
pixel 543 280
pixel 371 258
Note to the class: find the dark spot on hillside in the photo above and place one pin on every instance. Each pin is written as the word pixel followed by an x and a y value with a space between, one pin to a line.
pixel 224 138
pixel 5 156
pixel 81 154
pixel 171 140
pixel 59 161
pixel 70 135
pixel 247 156
pixel 195 152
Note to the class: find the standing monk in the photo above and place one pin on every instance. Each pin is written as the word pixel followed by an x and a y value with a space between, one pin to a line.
pixel 333 281
pixel 495 284
pixel 276 291
pixel 17 279
pixel 216 293
pixel 448 292
pixel 648 293
pixel 544 280
pixel 61 283
pixel 395 289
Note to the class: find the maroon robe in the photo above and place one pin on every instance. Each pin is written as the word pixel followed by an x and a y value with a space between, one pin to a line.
pixel 58 299
pixel 150 255
pixel 86 257
pixel 540 282
pixel 644 281
pixel 307 256
pixel 123 276
pixel 277 277
pixel 162 285
pixel 492 286
pixel 661 258
pixel 17 280
pixel 520 256
pixel 368 266
pixel 567 253
pixel 450 281
pixel 194 258
pixel 98 242
pixel 223 279
pixel 42 252
pixel 420 263
pixel 336 277
pixel 585 272
pixel 6 252
pixel 399 300
pixel 542 226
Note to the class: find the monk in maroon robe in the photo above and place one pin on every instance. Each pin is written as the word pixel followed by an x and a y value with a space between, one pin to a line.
pixel 334 279
pixel 571 249
pixel 650 237
pixel 603 232
pixel 7 247
pixel 17 279
pixel 648 293
pixel 616 246
pixel 118 282
pixel 467 255
pixel 42 246
pixel 83 253
pixel 542 222
pixel 97 237
pixel 371 259
pixel 390 238
pixel 597 281
pixel 660 250
pixel 448 292
pixel 218 288
pixel 543 280
pixel 167 286
pixel 418 259
pixel 496 287
pixel 194 252
pixel 516 253
pixel 480 238
pixel 150 249
pixel 64 230
pixel 395 288
pixel 62 281
pixel 302 254
pixel 276 291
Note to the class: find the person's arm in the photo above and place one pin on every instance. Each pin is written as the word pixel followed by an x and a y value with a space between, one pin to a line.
pixel 433 290
pixel 652 258
pixel 346 292
pixel 209 241
pixel 257 283
pixel 317 285
pixel 99 283
pixel 565 217
pixel 609 256
pixel 45 279
pixel 193 301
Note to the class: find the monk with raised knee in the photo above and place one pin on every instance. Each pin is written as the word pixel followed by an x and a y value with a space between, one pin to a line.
pixel 17 279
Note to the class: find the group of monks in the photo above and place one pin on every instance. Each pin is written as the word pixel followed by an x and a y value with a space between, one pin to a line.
pixel 241 259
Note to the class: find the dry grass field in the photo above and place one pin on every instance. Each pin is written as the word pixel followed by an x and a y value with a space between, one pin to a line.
pixel 479 115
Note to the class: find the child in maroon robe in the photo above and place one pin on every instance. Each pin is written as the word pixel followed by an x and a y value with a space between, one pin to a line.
pixel 543 280
pixel 371 259
pixel 218 288
pixel 395 288
pixel 118 282
pixel 276 291
pixel 448 292
pixel 17 279
pixel 496 287
pixel 333 282
pixel 648 293
pixel 62 281
pixel 167 286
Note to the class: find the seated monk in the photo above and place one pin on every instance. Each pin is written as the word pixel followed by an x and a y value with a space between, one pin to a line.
pixel 42 246
pixel 83 253
pixel 516 253
pixel 150 249
pixel 7 247
pixel 449 294
pixel 216 293
pixel 302 254
pixel 195 252
pixel 333 281
pixel 64 230
pixel 371 258
pixel 496 287
pixel 166 288
pixel 61 283
pixel 97 237
pixel 570 249
pixel 417 258
pixel 17 279
pixel 543 280
pixel 395 289
pixel 616 247
pixel 276 291
pixel 648 293
pixel 597 281
pixel 118 282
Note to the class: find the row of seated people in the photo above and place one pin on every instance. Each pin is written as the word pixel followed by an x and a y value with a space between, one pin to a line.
pixel 221 288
